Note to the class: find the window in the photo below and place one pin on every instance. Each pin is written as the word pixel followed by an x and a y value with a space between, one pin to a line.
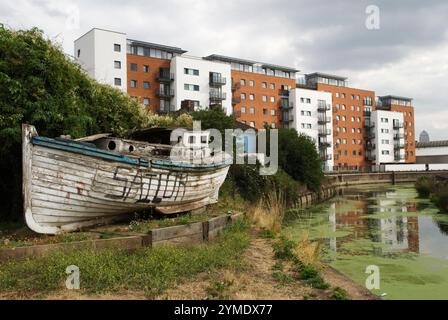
pixel 117 64
pixel 273 112
pixel 352 108
pixel 265 98
pixel 265 111
pixel 344 141
pixel 145 69
pixel 252 124
pixel 343 95
pixel 117 47
pixel 272 86
pixel 146 85
pixel 191 72
pixel 273 125
pixel 251 83
pixel 133 83
pixel 243 82
pixel 353 119
pixel 252 110
pixel 252 97
pixel 344 130
pixel 359 119
pixel 272 99
pixel 344 107
pixel 354 142
pixel 337 94
pixel 354 152
pixel 344 118
pixel 146 101
pixel 353 130
pixel 243 110
pixel 117 81
pixel 352 97
pixel 79 53
pixel 264 85
pixel 359 130
pixel 243 96
pixel 133 67
pixel 191 87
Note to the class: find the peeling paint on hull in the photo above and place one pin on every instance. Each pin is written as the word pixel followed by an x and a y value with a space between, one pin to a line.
pixel 65 190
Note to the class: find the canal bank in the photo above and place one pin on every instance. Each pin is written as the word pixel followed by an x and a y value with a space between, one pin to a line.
pixel 381 225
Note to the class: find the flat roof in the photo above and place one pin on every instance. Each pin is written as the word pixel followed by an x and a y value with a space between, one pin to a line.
pixel 326 75
pixel 93 29
pixel 432 144
pixel 395 97
pixel 250 62
pixel 157 46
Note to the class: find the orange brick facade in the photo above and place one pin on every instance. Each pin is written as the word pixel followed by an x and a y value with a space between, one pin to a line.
pixel 140 76
pixel 352 153
pixel 409 131
pixel 263 113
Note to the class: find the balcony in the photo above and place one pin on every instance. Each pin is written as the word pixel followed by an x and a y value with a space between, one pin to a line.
pixel 398 125
pixel 166 109
pixel 399 157
pixel 367 113
pixel 217 81
pixel 236 86
pixel 287 118
pixel 398 136
pixel 324 120
pixel 326 157
pixel 165 93
pixel 236 100
pixel 323 107
pixel 369 135
pixel 324 144
pixel 399 145
pixel 217 96
pixel 370 146
pixel 324 132
pixel 165 75
pixel 369 124
pixel 286 105
pixel 370 156
pixel 284 93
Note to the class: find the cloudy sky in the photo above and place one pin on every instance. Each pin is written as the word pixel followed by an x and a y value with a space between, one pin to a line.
pixel 406 56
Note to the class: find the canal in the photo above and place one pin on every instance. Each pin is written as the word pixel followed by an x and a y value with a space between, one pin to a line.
pixel 384 226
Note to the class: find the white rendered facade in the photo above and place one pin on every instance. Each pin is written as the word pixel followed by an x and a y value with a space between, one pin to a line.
pixel 312 113
pixel 102 54
pixel 201 80
pixel 388 140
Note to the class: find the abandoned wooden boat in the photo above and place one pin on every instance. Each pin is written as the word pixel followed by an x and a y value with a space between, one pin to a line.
pixel 69 185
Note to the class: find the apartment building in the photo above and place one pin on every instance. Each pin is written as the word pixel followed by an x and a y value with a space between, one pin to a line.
pixel 386 143
pixel 312 116
pixel 402 105
pixel 161 77
pixel 342 120
pixel 260 92
pixel 351 107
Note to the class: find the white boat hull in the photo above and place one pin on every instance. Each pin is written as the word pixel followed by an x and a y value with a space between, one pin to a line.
pixel 65 191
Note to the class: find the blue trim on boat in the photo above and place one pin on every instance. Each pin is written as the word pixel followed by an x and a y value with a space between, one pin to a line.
pixel 91 151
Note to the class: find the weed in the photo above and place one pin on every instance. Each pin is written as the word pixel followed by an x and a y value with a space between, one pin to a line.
pixel 219 290
pixel 339 294
pixel 267 234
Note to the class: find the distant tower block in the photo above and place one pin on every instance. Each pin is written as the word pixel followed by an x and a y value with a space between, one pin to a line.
pixel 424 136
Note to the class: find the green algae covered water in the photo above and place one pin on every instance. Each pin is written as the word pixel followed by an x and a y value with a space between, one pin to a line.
pixel 384 226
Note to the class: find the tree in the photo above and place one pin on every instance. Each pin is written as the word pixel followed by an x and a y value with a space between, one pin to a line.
pixel 40 85
pixel 299 158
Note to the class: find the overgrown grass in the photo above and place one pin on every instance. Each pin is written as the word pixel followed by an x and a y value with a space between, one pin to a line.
pixel 307 268
pixel 269 212
pixel 339 294
pixel 435 188
pixel 152 270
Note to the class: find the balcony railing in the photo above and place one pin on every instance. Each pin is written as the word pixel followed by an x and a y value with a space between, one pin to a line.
pixel 369 135
pixel 323 107
pixel 236 100
pixel 370 146
pixel 165 109
pixel 398 125
pixel 399 157
pixel 369 124
pixel 165 93
pixel 367 113
pixel 370 156
pixel 324 144
pixel 236 86
pixel 398 136
pixel 287 118
pixel 218 96
pixel 217 81
pixel 324 120
pixel 284 92
pixel 326 157
pixel 286 104
pixel 324 132
pixel 165 76
pixel 399 145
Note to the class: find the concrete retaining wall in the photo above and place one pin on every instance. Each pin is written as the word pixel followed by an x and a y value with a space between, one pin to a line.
pixel 186 234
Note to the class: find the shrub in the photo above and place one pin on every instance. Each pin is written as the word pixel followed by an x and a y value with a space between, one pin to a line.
pixel 424 187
